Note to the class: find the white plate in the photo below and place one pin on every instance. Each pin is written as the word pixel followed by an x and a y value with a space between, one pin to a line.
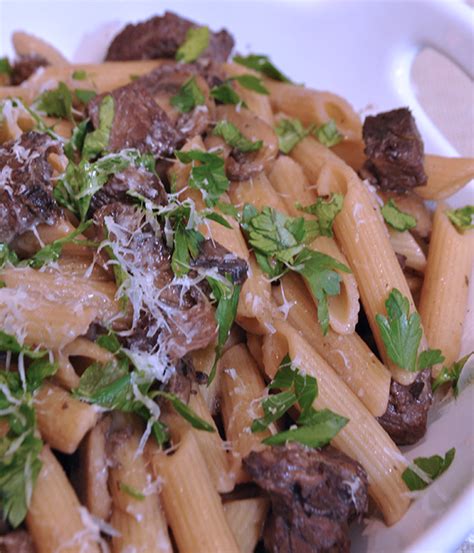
pixel 363 51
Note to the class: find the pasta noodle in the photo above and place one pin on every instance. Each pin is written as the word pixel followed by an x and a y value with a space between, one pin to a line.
pixel 445 176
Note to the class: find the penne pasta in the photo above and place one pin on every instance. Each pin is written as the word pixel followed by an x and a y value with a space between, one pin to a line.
pixel 246 518
pixel 446 175
pixel 405 245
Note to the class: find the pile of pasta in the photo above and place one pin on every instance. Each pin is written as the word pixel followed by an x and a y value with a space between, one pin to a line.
pixel 187 488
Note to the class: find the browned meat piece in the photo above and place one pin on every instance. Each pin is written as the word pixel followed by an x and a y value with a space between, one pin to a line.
pixel 167 317
pixel 160 37
pixel 314 495
pixel 136 179
pixel 395 151
pixel 139 122
pixel 24 67
pixel 18 541
pixel 25 184
pixel 407 411
pixel 213 254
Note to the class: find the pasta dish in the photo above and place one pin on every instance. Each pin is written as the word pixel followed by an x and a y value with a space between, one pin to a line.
pixel 224 301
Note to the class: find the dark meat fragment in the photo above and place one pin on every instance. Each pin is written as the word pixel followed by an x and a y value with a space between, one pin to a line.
pixel 314 495
pixel 395 151
pixel 138 122
pixel 213 254
pixel 160 37
pixel 24 67
pixel 173 318
pixel 407 411
pixel 18 541
pixel 136 179
pixel 26 197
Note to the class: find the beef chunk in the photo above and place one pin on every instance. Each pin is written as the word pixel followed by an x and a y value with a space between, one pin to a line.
pixel 136 179
pixel 24 67
pixel 314 495
pixel 167 317
pixel 160 37
pixel 18 541
pixel 213 254
pixel 407 412
pixel 138 122
pixel 25 184
pixel 395 151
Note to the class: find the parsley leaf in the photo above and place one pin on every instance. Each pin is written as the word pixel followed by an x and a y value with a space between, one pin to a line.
pixel 5 67
pixel 57 102
pixel 251 82
pixel 76 142
pixel 79 75
pixel 186 412
pixel 8 342
pixel 227 297
pixel 187 243
pixel 188 97
pixel 433 467
pixel 96 142
pixel 84 95
pixel 7 256
pixel 290 132
pixel 451 374
pixel 328 134
pixel 325 211
pixel 396 218
pixel 314 428
pixel 401 333
pixel 233 137
pixel 131 491
pixel 225 94
pixel 262 64
pixel 462 218
pixel 196 41
pixel 209 177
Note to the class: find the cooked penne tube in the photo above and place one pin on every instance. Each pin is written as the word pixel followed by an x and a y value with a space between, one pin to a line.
pixel 361 231
pixel 246 518
pixel 312 106
pixel 242 389
pixel 193 507
pixel 54 517
pixel 348 355
pixel 446 175
pixel 136 512
pixel 63 421
pixel 444 294
pixel 343 308
pixel 362 438
pixel 404 244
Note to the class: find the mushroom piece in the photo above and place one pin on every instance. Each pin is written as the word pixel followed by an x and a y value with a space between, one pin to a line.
pixel 244 165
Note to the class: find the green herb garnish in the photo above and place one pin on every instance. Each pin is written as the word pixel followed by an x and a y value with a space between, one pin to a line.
pixel 325 211
pixel 462 217
pixel 396 218
pixel 233 137
pixel 433 467
pixel 196 41
pixel 188 97
pixel 263 65
pixel 451 374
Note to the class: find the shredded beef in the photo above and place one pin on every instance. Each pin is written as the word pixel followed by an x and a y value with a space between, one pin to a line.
pixel 136 179
pixel 395 151
pixel 314 495
pixel 24 67
pixel 160 37
pixel 18 541
pixel 138 122
pixel 407 411
pixel 213 254
pixel 26 197
pixel 186 318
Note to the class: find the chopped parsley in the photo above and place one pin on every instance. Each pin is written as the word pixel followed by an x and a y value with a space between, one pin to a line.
pixel 401 334
pixel 57 102
pixel 451 374
pixel 328 134
pixel 313 428
pixel 279 245
pixel 251 82
pixel 262 64
pixel 5 67
pixel 96 142
pixel 20 446
pixel 196 41
pixel 325 211
pixel 424 470
pixel 8 342
pixel 233 137
pixel 209 177
pixel 7 256
pixel 131 491
pixel 188 97
pixel 462 217
pixel 225 94
pixel 84 95
pixel 291 131
pixel 396 218
pixel 79 75
pixel 76 142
